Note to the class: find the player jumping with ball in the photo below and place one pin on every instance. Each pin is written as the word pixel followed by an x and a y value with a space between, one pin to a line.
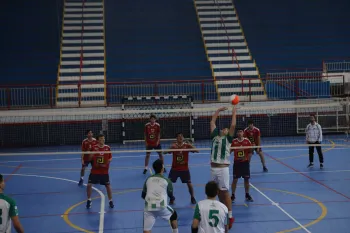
pixel 220 158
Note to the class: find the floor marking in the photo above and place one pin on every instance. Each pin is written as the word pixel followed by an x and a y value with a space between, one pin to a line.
pixel 303 174
pixel 102 196
pixel 321 217
pixel 13 172
pixel 150 171
pixel 280 208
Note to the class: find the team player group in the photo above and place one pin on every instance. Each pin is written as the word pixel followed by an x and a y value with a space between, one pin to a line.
pixel 210 215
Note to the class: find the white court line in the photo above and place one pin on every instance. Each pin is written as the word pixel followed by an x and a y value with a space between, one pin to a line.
pixel 102 212
pixel 280 208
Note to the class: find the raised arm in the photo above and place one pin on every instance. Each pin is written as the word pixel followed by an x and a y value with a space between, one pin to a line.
pixel 214 117
pixel 233 122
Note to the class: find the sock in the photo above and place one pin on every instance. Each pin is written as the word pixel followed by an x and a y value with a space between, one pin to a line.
pixel 146 167
pixel 89 199
pixel 82 177
pixel 110 200
pixel 176 230
pixel 230 214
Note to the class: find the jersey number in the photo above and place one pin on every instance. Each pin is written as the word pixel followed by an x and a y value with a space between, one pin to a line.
pixel 213 218
pixel 100 160
pixel 0 216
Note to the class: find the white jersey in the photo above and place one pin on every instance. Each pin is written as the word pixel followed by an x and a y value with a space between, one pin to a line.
pixel 212 216
pixel 8 209
pixel 313 133
pixel 156 190
pixel 220 151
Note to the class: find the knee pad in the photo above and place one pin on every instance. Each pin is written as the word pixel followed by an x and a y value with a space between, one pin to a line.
pixel 174 216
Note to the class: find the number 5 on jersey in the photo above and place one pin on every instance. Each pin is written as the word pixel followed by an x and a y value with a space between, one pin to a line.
pixel 213 218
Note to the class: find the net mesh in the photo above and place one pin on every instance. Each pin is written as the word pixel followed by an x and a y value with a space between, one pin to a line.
pixel 279 124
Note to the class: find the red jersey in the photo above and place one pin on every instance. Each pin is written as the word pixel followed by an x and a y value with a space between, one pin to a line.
pixel 180 158
pixel 100 160
pixel 252 134
pixel 87 145
pixel 241 155
pixel 152 134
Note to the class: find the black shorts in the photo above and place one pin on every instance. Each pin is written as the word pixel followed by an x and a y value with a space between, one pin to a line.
pixel 86 164
pixel 102 179
pixel 185 176
pixel 241 170
pixel 159 147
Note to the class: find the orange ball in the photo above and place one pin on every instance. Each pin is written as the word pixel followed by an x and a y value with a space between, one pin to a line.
pixel 234 99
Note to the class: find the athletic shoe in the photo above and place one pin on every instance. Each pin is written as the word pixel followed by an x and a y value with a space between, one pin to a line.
pixel 265 169
pixel 88 204
pixel 193 200
pixel 172 201
pixel 248 197
pixel 81 182
pixel 233 198
pixel 310 165
pixel 144 171
pixel 111 204
pixel 232 220
pixel 321 165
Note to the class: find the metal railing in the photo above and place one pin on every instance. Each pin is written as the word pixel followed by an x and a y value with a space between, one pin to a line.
pixel 202 91
pixel 340 66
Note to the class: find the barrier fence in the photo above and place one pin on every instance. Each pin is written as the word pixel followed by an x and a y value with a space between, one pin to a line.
pixel 202 91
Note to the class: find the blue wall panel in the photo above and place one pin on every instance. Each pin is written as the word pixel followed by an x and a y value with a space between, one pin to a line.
pixel 295 34
pixel 154 40
pixel 30 32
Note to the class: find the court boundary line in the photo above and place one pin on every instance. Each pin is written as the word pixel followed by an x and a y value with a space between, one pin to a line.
pixel 103 198
pixel 13 172
pixel 280 208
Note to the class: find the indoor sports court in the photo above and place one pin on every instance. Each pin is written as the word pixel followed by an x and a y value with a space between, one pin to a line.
pixel 288 198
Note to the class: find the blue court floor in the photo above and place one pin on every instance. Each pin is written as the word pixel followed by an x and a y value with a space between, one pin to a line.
pixel 289 198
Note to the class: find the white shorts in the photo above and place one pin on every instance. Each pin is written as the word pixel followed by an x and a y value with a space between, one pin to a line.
pixel 221 175
pixel 149 217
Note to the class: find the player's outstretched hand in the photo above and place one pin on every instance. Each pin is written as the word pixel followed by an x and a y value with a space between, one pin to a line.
pixel 222 109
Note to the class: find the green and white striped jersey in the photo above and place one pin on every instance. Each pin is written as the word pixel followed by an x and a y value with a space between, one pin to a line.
pixel 8 209
pixel 220 151
pixel 157 189
pixel 212 216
